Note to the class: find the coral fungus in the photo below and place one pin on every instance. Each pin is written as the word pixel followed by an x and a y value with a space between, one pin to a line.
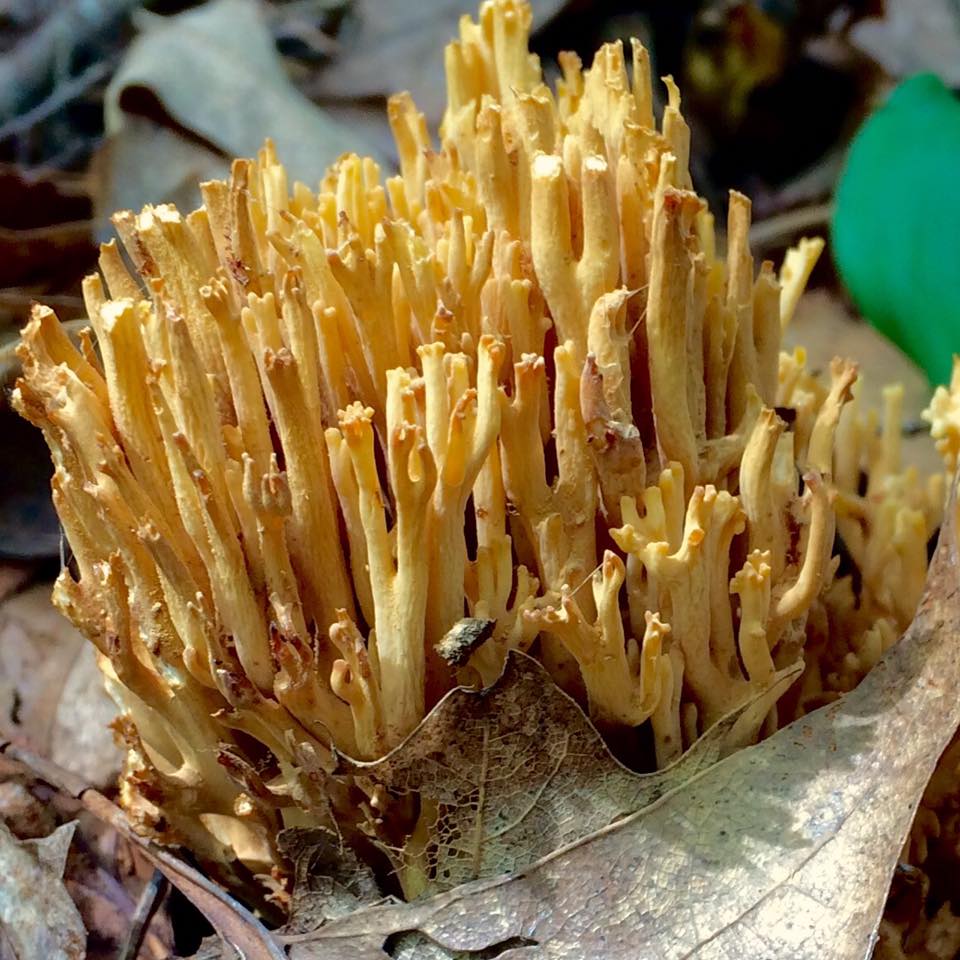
pixel 316 429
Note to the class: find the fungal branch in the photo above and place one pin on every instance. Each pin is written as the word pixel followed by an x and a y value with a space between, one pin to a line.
pixel 678 567
pixel 614 441
pixel 673 220
pixel 624 680
pixel 943 415
pixel 165 651
pixel 462 424
pixel 556 520
pixel 572 284
pixel 398 586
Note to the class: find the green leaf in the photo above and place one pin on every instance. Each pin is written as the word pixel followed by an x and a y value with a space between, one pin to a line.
pixel 896 228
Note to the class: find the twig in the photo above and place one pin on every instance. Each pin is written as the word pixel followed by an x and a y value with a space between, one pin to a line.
pixel 48 230
pixel 28 67
pixel 783 227
pixel 18 297
pixel 147 906
pixel 68 90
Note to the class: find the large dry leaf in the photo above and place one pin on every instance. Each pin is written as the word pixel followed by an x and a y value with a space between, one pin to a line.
pixel 145 162
pixel 514 771
pixel 783 850
pixel 37 915
pixel 223 49
pixel 517 771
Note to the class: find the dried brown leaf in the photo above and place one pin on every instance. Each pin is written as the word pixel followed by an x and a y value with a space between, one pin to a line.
pixel 37 650
pixel 144 162
pixel 24 813
pixel 517 771
pixel 225 50
pixel 81 738
pixel 329 880
pixel 37 916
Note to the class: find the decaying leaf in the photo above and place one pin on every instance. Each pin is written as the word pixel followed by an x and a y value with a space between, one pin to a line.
pixel 224 49
pixel 783 850
pixel 523 774
pixel 329 880
pixel 81 738
pixel 37 916
pixel 516 771
pixel 143 158
pixel 37 649
pixel 25 815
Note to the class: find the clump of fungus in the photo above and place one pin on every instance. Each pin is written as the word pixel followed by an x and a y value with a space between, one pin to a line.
pixel 315 430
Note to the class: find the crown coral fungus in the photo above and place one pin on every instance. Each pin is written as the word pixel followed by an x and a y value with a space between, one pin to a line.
pixel 515 383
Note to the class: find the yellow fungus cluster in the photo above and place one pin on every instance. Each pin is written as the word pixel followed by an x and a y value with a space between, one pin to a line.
pixel 313 430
